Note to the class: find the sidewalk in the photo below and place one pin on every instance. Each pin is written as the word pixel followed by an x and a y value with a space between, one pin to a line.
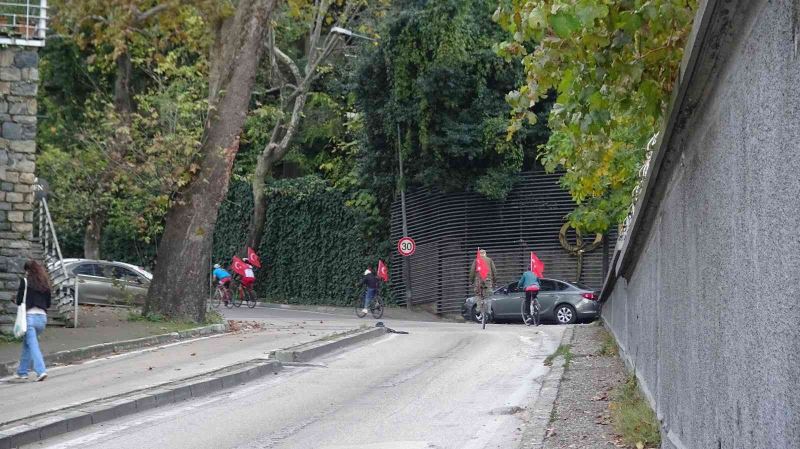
pixel 96 325
pixel 119 374
pixel 581 416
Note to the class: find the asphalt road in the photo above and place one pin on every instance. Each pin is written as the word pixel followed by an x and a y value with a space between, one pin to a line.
pixel 444 385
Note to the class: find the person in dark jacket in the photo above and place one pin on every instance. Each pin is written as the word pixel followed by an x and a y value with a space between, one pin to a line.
pixel 37 301
pixel 371 281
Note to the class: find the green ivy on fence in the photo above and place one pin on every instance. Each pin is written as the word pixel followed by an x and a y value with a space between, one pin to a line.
pixel 313 251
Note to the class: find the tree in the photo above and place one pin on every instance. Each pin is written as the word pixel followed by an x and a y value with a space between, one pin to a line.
pixel 113 32
pixel 294 83
pixel 185 248
pixel 435 77
pixel 613 65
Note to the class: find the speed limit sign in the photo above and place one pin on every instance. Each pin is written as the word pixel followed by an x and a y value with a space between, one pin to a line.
pixel 406 246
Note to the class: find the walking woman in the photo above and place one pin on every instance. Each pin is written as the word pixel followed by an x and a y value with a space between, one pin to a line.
pixel 37 301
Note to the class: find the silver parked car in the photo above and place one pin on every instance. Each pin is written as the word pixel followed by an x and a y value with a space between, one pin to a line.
pixel 106 282
pixel 560 301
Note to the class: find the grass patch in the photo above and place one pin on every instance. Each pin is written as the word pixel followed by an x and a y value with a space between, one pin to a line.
pixel 633 418
pixel 608 347
pixel 562 351
pixel 164 324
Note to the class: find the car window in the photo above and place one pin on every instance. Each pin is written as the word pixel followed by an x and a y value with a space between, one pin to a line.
pixel 581 286
pixel 559 286
pixel 547 285
pixel 124 274
pixel 87 269
pixel 512 287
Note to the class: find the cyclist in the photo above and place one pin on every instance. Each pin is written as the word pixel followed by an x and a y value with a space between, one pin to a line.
pixel 483 288
pixel 224 279
pixel 530 283
pixel 371 281
pixel 249 277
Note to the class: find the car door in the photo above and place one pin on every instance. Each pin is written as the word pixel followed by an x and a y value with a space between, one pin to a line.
pixel 126 286
pixel 508 303
pixel 91 286
pixel 547 296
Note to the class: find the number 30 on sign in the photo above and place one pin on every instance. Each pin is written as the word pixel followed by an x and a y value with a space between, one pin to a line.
pixel 406 246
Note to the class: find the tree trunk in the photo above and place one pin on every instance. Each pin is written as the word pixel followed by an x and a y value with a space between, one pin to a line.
pixel 179 288
pixel 272 153
pixel 258 221
pixel 93 236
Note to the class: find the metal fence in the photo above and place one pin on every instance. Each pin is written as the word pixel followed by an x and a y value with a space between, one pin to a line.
pixel 23 22
pixel 448 229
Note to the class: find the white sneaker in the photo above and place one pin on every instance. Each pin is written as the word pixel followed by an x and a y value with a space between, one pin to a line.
pixel 365 310
pixel 41 377
pixel 18 378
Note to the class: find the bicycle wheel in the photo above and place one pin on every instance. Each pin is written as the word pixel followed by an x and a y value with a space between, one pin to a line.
pixel 527 317
pixel 376 307
pixel 216 298
pixel 484 312
pixel 360 307
pixel 238 297
pixel 250 298
pixel 228 299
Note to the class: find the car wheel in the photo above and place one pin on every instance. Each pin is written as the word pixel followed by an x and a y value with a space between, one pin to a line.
pixel 565 314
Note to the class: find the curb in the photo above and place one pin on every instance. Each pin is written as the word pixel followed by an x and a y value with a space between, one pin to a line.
pixel 539 412
pixel 41 427
pixel 56 422
pixel 75 355
pixel 307 351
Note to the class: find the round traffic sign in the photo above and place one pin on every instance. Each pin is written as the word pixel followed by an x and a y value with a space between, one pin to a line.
pixel 406 246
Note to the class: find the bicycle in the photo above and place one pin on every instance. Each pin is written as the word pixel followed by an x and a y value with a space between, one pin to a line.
pixel 483 307
pixel 240 295
pixel 221 294
pixel 530 311
pixel 376 306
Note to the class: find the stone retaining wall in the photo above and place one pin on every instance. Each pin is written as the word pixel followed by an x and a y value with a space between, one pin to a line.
pixel 19 78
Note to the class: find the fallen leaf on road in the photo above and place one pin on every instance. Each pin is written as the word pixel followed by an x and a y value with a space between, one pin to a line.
pixel 193 354
pixel 149 368
pixel 640 445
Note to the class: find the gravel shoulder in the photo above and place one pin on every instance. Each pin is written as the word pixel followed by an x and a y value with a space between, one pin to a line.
pixel 581 417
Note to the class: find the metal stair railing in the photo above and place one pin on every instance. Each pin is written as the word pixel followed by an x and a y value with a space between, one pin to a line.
pixel 63 284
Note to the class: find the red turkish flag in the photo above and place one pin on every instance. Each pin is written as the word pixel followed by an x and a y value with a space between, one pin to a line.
pixel 383 271
pixel 536 265
pixel 238 266
pixel 252 257
pixel 480 266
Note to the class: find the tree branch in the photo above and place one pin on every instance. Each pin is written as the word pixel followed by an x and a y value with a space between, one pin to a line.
pixel 142 16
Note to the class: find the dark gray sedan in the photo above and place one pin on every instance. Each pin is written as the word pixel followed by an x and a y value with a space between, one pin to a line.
pixel 560 301
pixel 107 282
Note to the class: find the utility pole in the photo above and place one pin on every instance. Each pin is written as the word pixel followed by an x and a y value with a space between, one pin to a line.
pixel 401 183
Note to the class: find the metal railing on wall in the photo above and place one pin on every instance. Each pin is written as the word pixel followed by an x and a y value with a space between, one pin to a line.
pixel 23 22
pixel 449 227
pixel 63 284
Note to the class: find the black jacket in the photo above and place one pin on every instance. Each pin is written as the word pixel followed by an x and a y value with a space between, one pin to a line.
pixel 35 298
pixel 370 280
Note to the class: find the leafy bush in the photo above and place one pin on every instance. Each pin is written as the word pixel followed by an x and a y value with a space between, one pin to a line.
pixel 314 250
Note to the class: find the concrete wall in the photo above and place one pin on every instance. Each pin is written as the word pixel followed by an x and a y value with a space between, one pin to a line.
pixel 709 314
pixel 19 77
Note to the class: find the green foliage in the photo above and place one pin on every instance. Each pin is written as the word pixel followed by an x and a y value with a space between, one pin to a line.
pixel 632 416
pixel 81 129
pixel 613 65
pixel 313 250
pixel 434 73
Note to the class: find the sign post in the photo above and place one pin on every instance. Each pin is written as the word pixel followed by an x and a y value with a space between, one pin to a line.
pixel 406 247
